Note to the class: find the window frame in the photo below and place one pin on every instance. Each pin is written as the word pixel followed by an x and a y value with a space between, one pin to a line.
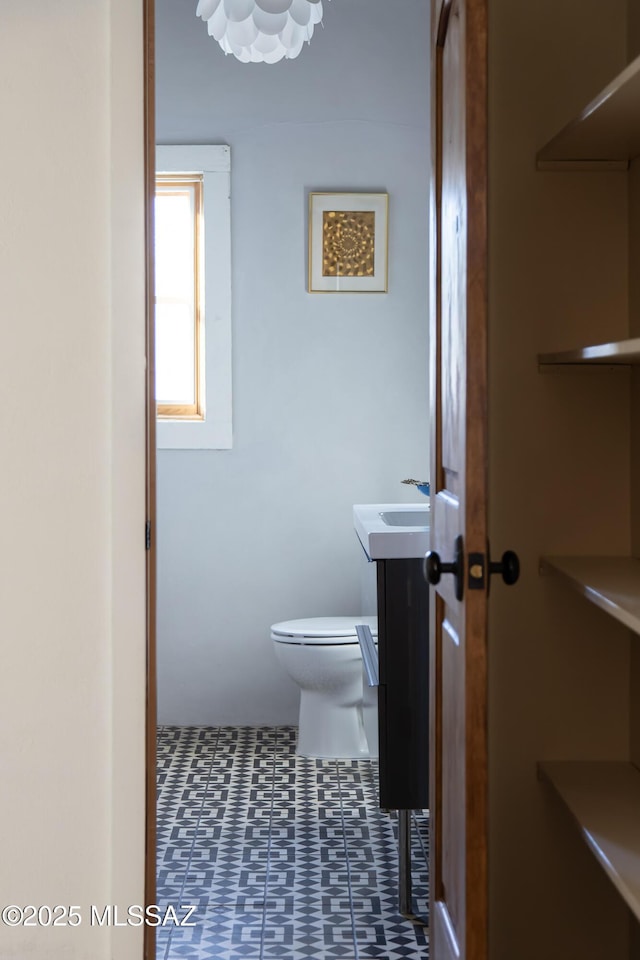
pixel 213 430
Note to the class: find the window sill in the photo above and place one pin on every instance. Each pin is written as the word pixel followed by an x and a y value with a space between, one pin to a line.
pixel 194 435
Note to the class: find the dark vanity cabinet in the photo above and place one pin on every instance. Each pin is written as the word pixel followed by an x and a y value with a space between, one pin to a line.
pixel 403 692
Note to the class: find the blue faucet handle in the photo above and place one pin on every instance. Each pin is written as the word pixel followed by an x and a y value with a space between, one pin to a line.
pixel 422 485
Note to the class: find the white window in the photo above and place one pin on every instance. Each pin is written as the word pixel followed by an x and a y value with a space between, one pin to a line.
pixel 193 297
pixel 179 248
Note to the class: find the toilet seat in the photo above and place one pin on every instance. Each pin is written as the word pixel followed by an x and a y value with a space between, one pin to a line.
pixel 322 630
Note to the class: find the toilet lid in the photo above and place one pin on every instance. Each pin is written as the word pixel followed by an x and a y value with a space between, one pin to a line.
pixel 328 630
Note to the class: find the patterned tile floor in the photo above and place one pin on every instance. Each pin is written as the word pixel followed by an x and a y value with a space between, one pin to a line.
pixel 286 858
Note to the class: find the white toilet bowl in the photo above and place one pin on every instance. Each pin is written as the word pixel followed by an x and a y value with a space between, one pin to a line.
pixel 322 655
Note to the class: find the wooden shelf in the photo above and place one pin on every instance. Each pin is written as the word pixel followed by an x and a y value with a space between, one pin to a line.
pixel 612 583
pixel 604 798
pixel 622 352
pixel 606 133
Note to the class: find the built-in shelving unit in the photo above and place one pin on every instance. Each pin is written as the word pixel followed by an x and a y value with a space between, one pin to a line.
pixel 612 583
pixel 604 798
pixel 622 352
pixel 606 133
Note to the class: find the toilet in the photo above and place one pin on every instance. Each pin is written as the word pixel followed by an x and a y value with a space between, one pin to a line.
pixel 322 655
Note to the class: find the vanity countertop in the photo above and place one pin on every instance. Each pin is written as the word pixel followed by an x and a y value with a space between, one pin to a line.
pixel 384 536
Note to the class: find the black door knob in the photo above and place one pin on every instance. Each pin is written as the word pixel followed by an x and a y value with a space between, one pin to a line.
pixel 433 568
pixel 508 567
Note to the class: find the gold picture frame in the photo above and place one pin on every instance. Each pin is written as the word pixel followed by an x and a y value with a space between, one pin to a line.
pixel 348 242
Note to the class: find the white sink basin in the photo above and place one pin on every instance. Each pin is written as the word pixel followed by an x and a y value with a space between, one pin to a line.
pixel 405 518
pixel 392 531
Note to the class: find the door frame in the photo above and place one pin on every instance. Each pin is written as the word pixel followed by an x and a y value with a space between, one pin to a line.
pixel 151 716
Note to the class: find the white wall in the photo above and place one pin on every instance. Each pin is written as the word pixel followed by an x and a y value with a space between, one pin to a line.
pixel 330 391
pixel 72 479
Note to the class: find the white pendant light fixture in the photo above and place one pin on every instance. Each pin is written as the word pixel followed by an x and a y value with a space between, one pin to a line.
pixel 261 31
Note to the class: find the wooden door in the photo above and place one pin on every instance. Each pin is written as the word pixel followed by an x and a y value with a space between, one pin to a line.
pixel 458 634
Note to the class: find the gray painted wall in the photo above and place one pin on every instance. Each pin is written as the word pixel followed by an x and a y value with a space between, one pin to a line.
pixel 330 391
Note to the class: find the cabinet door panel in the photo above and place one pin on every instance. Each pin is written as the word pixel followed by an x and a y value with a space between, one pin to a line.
pixel 403 694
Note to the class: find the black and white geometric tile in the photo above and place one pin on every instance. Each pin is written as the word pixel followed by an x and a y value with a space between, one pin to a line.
pixel 286 858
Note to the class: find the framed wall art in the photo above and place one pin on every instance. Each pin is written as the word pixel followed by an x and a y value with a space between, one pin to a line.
pixel 348 240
